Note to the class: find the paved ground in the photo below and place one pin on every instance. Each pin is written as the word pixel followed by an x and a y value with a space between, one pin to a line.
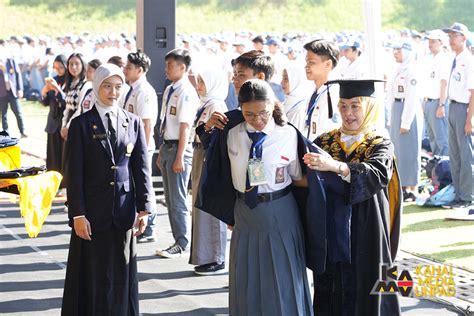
pixel 32 273
pixel 32 270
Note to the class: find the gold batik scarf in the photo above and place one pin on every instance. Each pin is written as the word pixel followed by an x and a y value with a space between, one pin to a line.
pixel 350 139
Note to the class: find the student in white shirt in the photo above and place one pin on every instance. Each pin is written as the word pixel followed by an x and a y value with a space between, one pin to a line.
pixel 267 243
pixel 180 104
pixel 460 118
pixel 404 96
pixel 142 101
pixel 209 235
pixel 321 116
pixel 435 79
pixel 297 93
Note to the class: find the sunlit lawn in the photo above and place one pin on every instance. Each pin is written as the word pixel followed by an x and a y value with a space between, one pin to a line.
pixel 426 232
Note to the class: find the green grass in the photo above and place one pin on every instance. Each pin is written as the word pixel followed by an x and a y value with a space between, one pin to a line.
pixel 57 17
pixel 435 224
pixel 458 244
pixel 444 256
pixel 425 232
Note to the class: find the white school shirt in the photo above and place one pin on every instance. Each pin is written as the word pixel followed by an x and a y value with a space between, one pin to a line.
pixel 181 108
pixel 406 85
pixel 279 156
pixel 211 106
pixel 320 121
pixel 436 70
pixel 104 110
pixel 143 102
pixel 295 109
pixel 355 70
pixel 462 77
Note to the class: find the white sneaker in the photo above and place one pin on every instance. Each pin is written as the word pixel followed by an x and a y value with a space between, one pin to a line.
pixel 173 251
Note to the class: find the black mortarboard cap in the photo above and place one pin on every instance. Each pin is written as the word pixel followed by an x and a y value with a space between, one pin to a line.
pixel 351 88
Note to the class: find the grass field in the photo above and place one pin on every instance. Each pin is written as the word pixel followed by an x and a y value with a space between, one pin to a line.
pixel 426 232
pixel 57 17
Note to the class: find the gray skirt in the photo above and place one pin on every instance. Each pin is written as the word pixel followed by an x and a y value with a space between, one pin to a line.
pixel 407 146
pixel 208 234
pixel 267 260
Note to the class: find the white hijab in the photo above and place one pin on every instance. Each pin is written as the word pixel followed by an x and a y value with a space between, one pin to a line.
pixel 216 83
pixel 103 72
pixel 300 87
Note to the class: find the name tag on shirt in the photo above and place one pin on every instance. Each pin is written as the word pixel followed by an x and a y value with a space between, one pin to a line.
pixel 256 172
pixel 173 110
pixel 280 175
pixel 400 89
pixel 457 76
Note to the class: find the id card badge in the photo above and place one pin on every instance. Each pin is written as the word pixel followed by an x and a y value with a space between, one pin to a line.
pixel 256 172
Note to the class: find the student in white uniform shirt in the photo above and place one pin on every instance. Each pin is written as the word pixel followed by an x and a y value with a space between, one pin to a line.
pixel 321 58
pixel 267 247
pixel 297 90
pixel 89 98
pixel 180 104
pixel 435 77
pixel 404 95
pixel 460 118
pixel 356 68
pixel 142 101
pixel 209 235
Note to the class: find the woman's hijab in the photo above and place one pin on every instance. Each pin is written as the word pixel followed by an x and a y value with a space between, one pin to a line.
pixel 103 72
pixel 216 83
pixel 300 86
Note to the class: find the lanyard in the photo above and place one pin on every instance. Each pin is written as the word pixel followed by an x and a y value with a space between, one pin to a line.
pixel 199 112
pixel 294 106
pixel 310 110
pixel 257 145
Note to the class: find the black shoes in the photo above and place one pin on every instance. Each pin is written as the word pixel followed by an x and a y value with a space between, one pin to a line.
pixel 458 204
pixel 210 268
pixel 409 196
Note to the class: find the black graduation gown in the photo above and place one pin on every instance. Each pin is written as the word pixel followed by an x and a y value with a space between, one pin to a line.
pixel 374 194
pixel 217 195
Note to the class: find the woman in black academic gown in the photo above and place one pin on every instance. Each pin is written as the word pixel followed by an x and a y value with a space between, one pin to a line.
pixel 364 160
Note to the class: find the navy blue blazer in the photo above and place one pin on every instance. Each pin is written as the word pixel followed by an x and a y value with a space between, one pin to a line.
pixel 108 188
pixel 14 76
pixel 217 195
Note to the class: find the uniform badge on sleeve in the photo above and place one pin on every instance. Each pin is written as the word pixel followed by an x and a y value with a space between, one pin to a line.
pixel 129 149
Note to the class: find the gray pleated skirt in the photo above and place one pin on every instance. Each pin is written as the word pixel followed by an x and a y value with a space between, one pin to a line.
pixel 267 273
pixel 407 146
pixel 208 234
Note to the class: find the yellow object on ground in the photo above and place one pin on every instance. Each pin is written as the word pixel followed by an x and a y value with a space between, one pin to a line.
pixel 10 158
pixel 36 197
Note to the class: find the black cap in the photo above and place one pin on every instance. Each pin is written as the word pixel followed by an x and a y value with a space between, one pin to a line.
pixel 351 88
